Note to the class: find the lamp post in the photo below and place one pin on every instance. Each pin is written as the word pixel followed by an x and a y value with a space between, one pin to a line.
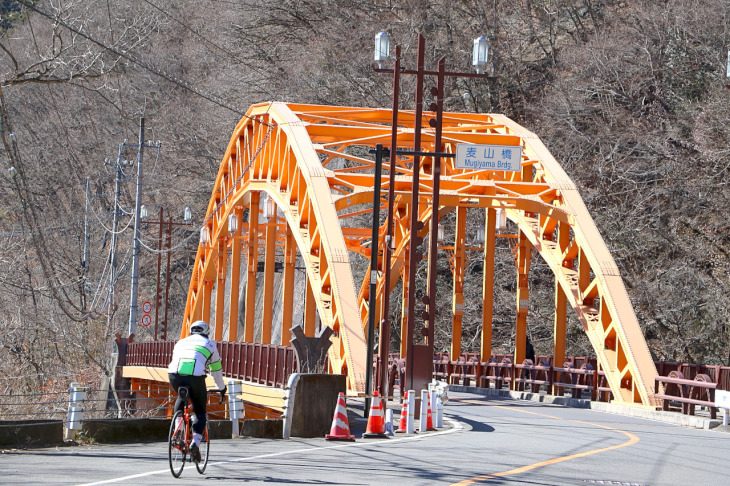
pixel 382 52
pixel 372 305
pixel 167 227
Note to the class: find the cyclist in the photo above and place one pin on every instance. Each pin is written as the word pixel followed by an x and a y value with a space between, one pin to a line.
pixel 190 358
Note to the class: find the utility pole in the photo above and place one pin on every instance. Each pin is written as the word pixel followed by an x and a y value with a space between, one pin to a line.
pixel 137 220
pixel 85 262
pixel 85 265
pixel 115 226
pixel 135 250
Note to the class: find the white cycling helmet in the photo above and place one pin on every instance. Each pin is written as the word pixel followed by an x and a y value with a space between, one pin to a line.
pixel 200 327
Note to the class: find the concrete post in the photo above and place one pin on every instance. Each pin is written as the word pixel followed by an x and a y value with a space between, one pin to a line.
pixel 423 427
pixel 235 406
pixel 439 411
pixel 437 407
pixel 411 408
pixel 389 422
pixel 75 417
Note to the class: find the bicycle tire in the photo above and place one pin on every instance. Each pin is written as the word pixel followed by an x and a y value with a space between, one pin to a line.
pixel 204 450
pixel 176 444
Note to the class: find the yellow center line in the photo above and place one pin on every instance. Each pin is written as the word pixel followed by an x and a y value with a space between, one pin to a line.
pixel 632 439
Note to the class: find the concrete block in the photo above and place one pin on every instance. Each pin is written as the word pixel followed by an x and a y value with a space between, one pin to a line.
pixel 144 429
pixel 126 430
pixel 263 428
pixel 312 403
pixel 31 433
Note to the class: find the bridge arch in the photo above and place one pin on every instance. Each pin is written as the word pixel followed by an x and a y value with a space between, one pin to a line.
pixel 313 162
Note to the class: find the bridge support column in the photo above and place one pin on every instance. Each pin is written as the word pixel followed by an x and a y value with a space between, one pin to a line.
pixel 253 257
pixel 220 290
pixel 290 259
pixel 561 304
pixel 490 219
pixel 458 290
pixel 235 277
pixel 404 308
pixel 269 265
pixel 523 296
pixel 207 291
pixel 310 312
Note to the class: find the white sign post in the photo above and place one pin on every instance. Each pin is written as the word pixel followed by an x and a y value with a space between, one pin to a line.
pixel 722 401
pixel 488 157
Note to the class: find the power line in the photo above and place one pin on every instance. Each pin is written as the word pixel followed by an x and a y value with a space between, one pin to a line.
pixel 202 37
pixel 212 98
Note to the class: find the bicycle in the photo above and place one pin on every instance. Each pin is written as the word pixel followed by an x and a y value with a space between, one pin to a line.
pixel 181 437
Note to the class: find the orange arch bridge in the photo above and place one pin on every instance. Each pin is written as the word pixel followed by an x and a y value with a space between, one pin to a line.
pixel 298 180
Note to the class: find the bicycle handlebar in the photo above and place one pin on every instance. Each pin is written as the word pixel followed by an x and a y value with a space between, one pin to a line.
pixel 222 393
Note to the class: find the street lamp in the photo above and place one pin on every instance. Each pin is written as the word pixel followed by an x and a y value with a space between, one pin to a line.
pixel 143 212
pixel 162 249
pixel 501 220
pixel 232 224
pixel 204 236
pixel 481 50
pixel 269 208
pixel 480 235
pixel 382 48
pixel 382 51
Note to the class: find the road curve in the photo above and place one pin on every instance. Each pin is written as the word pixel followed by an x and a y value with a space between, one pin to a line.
pixel 488 440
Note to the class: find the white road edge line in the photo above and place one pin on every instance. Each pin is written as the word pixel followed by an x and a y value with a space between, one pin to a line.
pixel 456 427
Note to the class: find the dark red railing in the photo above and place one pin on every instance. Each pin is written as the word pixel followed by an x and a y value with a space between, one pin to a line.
pixel 265 364
pixel 271 365
pixel 578 375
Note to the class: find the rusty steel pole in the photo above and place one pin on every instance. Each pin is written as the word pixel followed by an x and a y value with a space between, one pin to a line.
pixel 372 304
pixel 389 238
pixel 436 172
pixel 414 223
pixel 168 247
pixel 158 292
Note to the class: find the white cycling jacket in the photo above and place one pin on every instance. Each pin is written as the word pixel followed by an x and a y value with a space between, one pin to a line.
pixel 193 355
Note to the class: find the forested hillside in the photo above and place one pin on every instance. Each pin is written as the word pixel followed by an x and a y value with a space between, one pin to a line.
pixel 630 97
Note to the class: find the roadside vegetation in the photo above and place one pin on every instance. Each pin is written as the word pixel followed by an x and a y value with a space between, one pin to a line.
pixel 630 97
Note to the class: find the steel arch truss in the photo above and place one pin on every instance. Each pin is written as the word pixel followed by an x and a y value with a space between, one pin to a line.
pixel 314 162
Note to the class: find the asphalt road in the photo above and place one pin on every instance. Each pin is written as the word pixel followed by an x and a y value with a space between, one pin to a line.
pixel 488 440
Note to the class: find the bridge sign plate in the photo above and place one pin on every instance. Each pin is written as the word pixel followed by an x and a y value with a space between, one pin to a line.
pixel 488 157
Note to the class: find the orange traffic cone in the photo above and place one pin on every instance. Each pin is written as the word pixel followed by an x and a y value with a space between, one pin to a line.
pixel 429 417
pixel 340 425
pixel 403 416
pixel 376 419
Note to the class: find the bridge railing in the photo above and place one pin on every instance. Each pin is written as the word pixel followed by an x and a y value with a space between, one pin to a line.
pixel 271 365
pixel 265 364
pixel 687 393
pixel 579 377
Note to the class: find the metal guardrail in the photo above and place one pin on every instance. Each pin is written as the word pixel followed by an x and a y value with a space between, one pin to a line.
pixel 691 385
pixel 271 365
pixel 688 393
pixel 264 364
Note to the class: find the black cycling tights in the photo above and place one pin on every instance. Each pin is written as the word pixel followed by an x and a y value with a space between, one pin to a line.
pixel 198 397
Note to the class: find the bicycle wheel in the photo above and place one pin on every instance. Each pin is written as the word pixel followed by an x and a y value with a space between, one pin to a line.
pixel 176 441
pixel 204 449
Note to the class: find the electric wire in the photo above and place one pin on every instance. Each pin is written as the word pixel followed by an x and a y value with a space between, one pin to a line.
pixel 204 39
pixel 140 62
